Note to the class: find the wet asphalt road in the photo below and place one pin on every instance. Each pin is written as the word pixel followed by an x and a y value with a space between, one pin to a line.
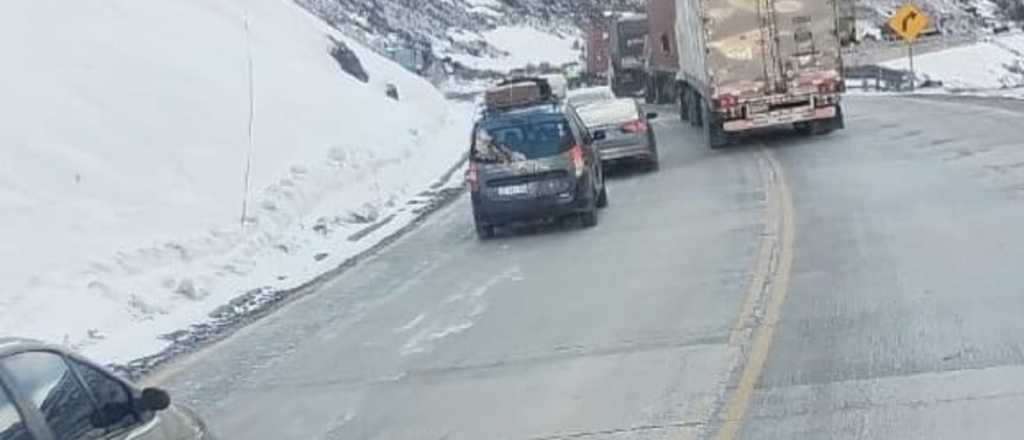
pixel 898 316
pixel 903 315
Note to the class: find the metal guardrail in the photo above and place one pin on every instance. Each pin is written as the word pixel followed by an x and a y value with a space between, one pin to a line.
pixel 877 78
pixel 883 51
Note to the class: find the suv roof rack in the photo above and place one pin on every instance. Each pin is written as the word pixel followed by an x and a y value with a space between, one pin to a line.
pixel 543 84
pixel 518 93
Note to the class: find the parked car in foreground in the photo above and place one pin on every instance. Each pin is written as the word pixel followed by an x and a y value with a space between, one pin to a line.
pixel 48 393
pixel 531 158
pixel 589 95
pixel 625 130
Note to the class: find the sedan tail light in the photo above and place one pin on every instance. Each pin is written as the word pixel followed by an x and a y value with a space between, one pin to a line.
pixel 636 126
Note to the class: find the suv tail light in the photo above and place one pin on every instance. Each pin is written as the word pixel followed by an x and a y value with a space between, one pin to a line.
pixel 636 126
pixel 577 160
pixel 473 177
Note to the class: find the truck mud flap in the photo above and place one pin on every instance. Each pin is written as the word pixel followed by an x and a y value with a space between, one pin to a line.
pixel 715 136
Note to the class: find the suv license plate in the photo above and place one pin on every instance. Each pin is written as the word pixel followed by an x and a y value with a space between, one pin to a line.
pixel 513 190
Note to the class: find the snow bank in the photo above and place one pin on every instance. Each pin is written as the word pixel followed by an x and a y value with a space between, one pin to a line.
pixel 123 149
pixel 994 64
pixel 524 45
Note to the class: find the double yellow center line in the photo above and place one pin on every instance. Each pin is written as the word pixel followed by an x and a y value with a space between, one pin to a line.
pixel 754 332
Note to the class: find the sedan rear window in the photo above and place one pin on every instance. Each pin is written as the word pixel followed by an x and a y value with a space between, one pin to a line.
pixel 587 98
pixel 524 141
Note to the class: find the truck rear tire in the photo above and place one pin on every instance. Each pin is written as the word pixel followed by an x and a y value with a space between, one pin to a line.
pixel 714 136
pixel 667 90
pixel 804 128
pixel 696 108
pixel 684 102
pixel 824 126
pixel 835 123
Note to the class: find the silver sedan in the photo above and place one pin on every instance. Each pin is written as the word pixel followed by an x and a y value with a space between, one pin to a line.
pixel 627 133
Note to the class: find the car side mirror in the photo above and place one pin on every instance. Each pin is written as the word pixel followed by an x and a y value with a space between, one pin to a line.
pixel 154 399
pixel 599 135
pixel 652 115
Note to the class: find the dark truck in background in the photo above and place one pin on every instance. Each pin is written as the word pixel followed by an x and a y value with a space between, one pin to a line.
pixel 596 53
pixel 628 38
pixel 661 59
pixel 759 64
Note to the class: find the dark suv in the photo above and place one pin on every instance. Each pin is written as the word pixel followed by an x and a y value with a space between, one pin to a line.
pixel 534 162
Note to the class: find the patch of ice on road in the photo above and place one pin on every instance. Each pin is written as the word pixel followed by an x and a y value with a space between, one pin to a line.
pixel 335 429
pixel 411 324
pixel 456 314
pixel 511 274
pixel 994 65
pixel 422 341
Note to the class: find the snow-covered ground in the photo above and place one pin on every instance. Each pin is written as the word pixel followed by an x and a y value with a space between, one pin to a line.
pixel 523 45
pixel 123 151
pixel 994 66
pixel 951 16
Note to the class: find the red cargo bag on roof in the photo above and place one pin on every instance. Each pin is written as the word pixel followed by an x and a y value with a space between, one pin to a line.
pixel 512 95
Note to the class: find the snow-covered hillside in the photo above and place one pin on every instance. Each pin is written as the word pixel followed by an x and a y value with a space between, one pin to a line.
pixel 123 150
pixel 473 32
pixel 995 65
pixel 949 17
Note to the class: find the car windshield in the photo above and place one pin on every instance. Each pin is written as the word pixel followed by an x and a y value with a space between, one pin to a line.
pixel 609 112
pixel 499 142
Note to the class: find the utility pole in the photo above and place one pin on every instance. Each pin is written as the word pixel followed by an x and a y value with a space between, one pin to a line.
pixel 247 175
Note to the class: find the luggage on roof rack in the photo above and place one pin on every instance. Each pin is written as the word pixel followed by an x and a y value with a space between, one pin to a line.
pixel 518 92
pixel 543 84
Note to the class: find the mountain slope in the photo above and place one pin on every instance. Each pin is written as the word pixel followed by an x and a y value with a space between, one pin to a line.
pixel 459 27
pixel 124 149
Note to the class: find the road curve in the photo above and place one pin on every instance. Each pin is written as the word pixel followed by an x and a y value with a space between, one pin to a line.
pixel 902 318
pixel 860 284
pixel 621 330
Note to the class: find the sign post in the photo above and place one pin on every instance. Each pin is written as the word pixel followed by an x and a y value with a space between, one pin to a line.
pixel 910 56
pixel 908 22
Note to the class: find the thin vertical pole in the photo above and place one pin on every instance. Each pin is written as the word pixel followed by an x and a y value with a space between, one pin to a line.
pixel 913 75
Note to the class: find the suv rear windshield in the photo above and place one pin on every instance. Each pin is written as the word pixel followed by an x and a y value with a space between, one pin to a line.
pixel 498 142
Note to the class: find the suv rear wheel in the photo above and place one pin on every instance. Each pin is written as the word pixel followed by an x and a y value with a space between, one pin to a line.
pixel 589 217
pixel 484 230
